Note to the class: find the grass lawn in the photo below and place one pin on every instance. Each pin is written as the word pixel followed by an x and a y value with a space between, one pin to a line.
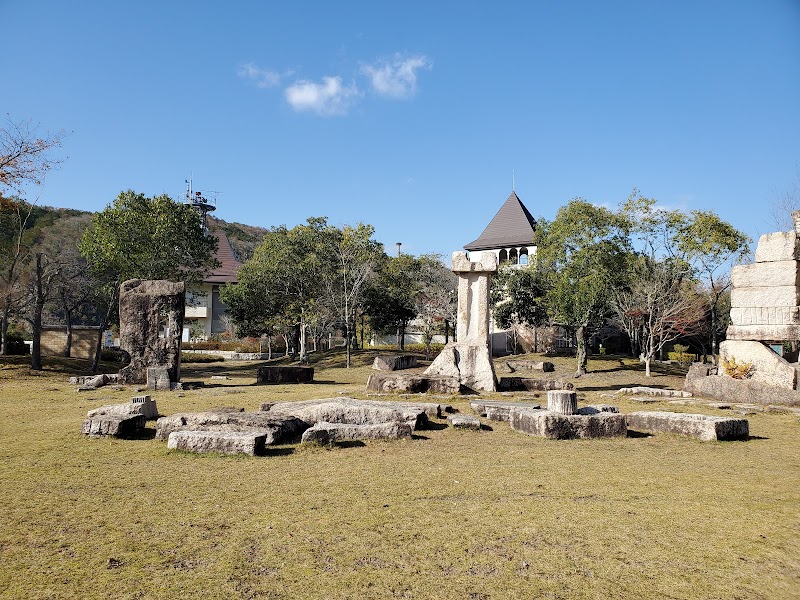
pixel 448 514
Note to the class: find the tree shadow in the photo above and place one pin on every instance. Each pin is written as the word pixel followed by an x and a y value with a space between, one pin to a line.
pixel 434 426
pixel 638 434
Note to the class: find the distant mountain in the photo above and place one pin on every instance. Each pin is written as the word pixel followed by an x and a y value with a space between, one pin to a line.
pixel 244 238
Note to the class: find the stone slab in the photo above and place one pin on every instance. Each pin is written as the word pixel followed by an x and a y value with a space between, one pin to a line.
pixel 767 333
pixel 329 433
pixel 351 411
pixel 782 315
pixel 593 409
pixel 285 374
pixel 530 365
pixel 651 391
pixel 768 367
pixel 551 425
pixel 226 442
pixel 115 425
pixel 158 378
pixel 415 383
pixel 760 297
pixel 766 274
pixel 462 264
pixel 464 422
pixel 781 245
pixel 394 362
pixel 531 384
pixel 498 410
pixel 743 391
pixel 702 427
pixel 645 399
pixel 276 429
pixel 148 406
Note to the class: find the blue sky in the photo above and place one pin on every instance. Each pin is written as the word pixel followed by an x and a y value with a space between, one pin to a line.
pixel 412 116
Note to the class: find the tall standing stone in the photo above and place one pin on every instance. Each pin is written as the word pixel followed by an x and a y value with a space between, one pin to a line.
pixel 469 358
pixel 150 327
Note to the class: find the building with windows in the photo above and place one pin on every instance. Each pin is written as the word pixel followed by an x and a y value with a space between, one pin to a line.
pixel 509 234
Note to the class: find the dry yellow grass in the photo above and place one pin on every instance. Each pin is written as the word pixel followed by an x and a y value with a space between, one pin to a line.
pixel 449 514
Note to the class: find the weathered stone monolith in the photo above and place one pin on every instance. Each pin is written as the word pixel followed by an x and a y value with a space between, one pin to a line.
pixel 151 325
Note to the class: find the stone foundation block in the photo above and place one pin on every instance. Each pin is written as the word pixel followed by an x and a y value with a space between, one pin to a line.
pixel 113 424
pixel 275 428
pixel 530 384
pixel 552 425
pixel 405 382
pixel 564 402
pixel 396 362
pixel 497 410
pixel 329 433
pixel 227 442
pixel 781 245
pixel 760 297
pixel 464 422
pixel 158 378
pixel 351 411
pixel 530 365
pixel 276 375
pixel 766 274
pixel 702 427
pixel 470 364
pixel 768 367
pixel 593 409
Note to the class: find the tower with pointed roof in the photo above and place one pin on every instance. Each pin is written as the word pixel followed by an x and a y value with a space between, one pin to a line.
pixel 509 234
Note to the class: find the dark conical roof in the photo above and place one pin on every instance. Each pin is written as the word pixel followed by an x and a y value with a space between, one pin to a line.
pixel 513 225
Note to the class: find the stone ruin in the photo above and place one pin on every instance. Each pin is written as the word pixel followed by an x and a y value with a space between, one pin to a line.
pixel 765 313
pixel 469 358
pixel 151 325
pixel 120 420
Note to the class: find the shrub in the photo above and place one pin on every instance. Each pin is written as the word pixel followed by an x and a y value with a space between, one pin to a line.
pixel 737 370
pixel 681 355
pixel 16 345
pixel 241 346
pixel 191 357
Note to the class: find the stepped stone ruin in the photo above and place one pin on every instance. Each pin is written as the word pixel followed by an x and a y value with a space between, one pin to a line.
pixel 150 329
pixel 469 358
pixel 765 312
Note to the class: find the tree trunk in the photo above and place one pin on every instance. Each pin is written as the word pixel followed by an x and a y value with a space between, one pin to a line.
pixel 269 347
pixel 581 336
pixel 403 337
pixel 38 307
pixel 397 337
pixel 714 349
pixel 99 347
pixel 347 343
pixel 303 354
pixel 362 331
pixel 446 331
pixel 4 328
pixel 68 319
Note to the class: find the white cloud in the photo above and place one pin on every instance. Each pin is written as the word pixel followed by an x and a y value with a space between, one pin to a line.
pixel 328 98
pixel 396 78
pixel 262 78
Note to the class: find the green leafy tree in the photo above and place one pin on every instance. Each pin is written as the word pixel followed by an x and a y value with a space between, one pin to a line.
pixel 435 297
pixel 711 245
pixel 581 252
pixel 138 237
pixel 283 282
pixel 517 298
pixel 390 297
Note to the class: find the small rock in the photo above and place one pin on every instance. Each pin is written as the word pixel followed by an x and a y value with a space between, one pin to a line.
pixel 114 563
pixel 720 405
pixel 219 377
pixel 644 399
pixel 464 422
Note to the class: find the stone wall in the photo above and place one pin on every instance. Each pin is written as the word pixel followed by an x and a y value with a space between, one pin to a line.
pixel 54 340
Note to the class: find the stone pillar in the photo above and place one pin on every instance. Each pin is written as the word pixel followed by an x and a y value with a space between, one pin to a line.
pixel 796 221
pixel 563 402
pixel 150 327
pixel 469 358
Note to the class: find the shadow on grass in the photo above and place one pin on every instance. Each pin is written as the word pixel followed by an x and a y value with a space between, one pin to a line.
pixel 146 433
pixel 611 387
pixel 485 427
pixel 434 426
pixel 277 452
pixel 416 436
pixel 351 444
pixel 755 437
pixel 639 434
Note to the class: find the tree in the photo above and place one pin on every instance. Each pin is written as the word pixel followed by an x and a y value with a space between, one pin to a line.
pixel 390 297
pixel 25 157
pixel 143 238
pixel 435 298
pixel 709 244
pixel 15 239
pixel 148 238
pixel 517 298
pixel 354 257
pixel 283 282
pixel 581 253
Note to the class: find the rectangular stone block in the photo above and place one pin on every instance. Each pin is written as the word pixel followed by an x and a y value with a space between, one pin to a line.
pixel 766 274
pixel 767 333
pixel 276 375
pixel 395 362
pixel 786 315
pixel 531 384
pixel 147 406
pixel 116 425
pixel 158 378
pixel 328 433
pixel 758 297
pixel 404 382
pixel 464 422
pixel 781 245
pixel 702 427
pixel 227 442
pixel 497 410
pixel 563 427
